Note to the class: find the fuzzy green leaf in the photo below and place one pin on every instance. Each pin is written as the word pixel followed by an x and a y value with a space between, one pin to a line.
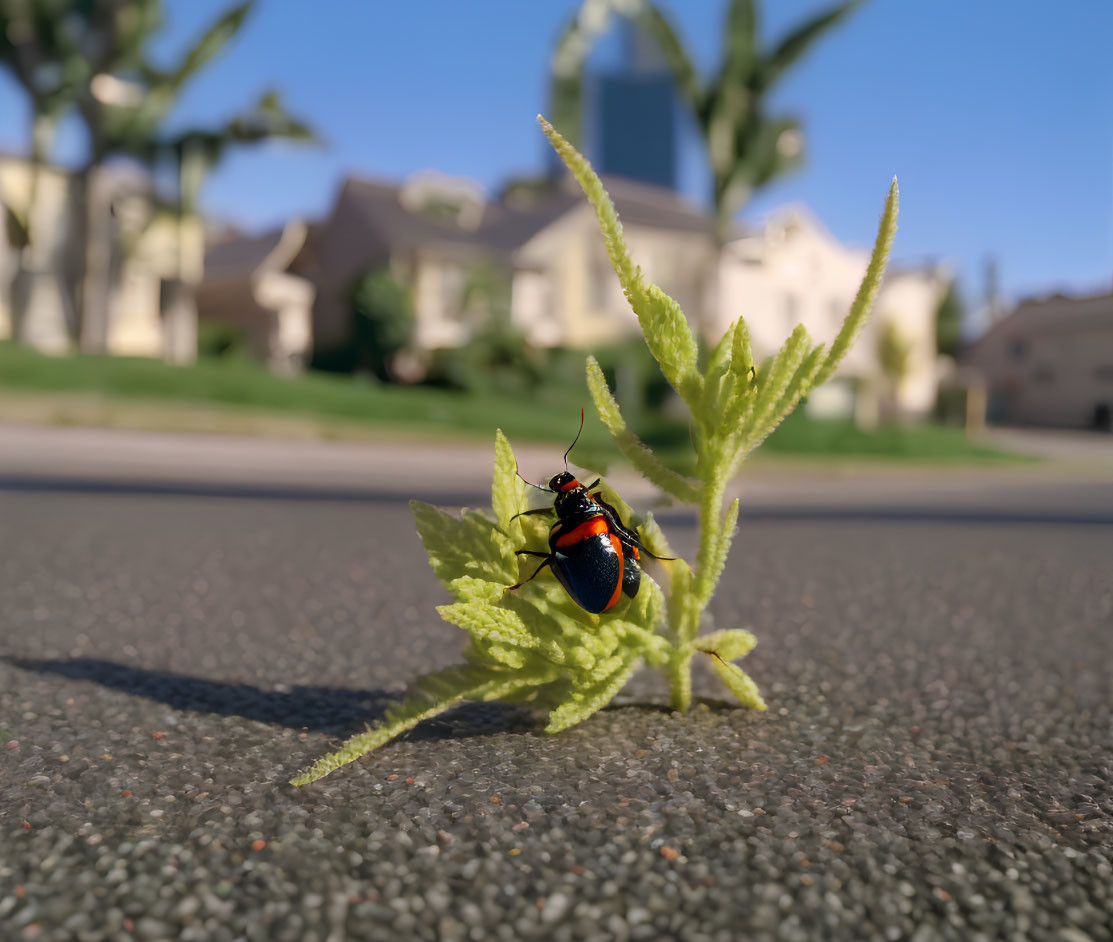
pixel 653 537
pixel 729 644
pixel 469 545
pixel 650 466
pixel 867 291
pixel 776 381
pixel 589 699
pixel 667 331
pixel 719 360
pixel 467 588
pixel 741 356
pixel 507 489
pixel 738 682
pixel 436 693
pixel 670 339
pixel 488 622
pixel 802 382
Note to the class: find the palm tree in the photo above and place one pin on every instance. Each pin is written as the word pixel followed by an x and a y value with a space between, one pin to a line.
pixel 190 155
pixel 746 146
pixel 123 105
pixel 93 56
pixel 39 52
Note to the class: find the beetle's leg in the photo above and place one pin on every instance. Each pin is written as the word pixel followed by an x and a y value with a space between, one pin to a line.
pixel 530 513
pixel 627 535
pixel 547 559
pixel 652 555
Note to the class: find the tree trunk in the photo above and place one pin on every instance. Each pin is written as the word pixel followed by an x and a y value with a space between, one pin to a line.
pixel 95 259
pixel 21 280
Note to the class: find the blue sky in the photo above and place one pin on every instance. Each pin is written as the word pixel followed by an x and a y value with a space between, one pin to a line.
pixel 997 117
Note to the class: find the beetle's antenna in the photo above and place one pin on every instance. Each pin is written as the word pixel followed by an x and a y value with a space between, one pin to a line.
pixel 530 483
pixel 576 439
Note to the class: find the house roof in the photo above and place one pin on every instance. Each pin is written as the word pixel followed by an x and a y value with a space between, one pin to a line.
pixel 241 257
pixel 1055 314
pixel 380 207
pixel 646 205
pixel 503 227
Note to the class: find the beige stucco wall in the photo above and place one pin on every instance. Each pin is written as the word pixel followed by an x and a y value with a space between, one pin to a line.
pixel 794 272
pixel 909 300
pixel 45 327
pixel 1052 369
pixel 438 288
pixel 147 253
pixel 566 292
pixel 135 326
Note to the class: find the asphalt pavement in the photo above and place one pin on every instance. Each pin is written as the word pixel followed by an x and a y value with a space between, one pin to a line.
pixel 936 762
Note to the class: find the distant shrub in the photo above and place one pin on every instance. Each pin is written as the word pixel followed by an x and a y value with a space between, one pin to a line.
pixel 217 340
pixel 382 313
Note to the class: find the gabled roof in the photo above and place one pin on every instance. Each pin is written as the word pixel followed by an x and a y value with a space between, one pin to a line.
pixel 240 257
pixel 380 208
pixel 1055 314
pixel 504 228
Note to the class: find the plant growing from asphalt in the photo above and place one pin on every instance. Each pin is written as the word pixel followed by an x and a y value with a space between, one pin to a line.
pixel 536 646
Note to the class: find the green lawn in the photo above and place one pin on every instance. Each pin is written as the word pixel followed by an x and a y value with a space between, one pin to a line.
pixel 335 405
pixel 923 442
pixel 331 398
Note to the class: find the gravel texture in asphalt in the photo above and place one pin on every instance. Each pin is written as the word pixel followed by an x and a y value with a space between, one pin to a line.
pixel 936 761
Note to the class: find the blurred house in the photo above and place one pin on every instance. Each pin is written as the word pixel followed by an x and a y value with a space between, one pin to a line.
pixel 38 304
pixel 247 284
pixel 1049 362
pixel 433 232
pixel 793 271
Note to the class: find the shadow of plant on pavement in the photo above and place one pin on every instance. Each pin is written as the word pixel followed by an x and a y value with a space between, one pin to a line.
pixel 319 709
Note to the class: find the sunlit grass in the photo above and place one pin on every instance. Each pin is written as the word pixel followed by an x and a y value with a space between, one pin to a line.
pixel 240 397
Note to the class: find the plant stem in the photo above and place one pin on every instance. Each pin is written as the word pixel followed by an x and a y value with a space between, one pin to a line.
pixel 679 673
pixel 711 533
pixel 686 629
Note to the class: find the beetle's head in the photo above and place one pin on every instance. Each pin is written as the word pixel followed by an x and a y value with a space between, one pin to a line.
pixel 565 481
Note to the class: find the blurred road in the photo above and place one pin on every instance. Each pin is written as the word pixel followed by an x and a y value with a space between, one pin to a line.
pixel 106 460
pixel 936 762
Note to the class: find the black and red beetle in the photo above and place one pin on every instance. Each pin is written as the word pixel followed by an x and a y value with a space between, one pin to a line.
pixel 592 553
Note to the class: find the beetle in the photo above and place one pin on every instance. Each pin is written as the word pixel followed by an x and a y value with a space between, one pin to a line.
pixel 593 554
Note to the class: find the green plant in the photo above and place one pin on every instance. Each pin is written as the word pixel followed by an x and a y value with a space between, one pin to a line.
pixel 950 316
pixel 382 321
pixel 536 646
pixel 219 339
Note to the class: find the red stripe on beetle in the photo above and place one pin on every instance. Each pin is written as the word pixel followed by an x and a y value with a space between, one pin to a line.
pixel 570 486
pixel 617 544
pixel 585 530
